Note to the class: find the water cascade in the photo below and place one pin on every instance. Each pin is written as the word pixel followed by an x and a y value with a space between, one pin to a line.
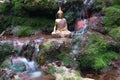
pixel 81 28
pixel 81 25
pixel 20 65
pixel 83 13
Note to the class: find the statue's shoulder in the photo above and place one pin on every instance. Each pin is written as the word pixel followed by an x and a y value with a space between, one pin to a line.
pixel 57 20
pixel 64 19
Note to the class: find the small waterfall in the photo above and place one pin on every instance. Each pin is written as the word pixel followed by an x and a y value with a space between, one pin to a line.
pixel 21 64
pixel 29 65
pixel 81 28
pixel 63 1
pixel 88 2
pixel 83 13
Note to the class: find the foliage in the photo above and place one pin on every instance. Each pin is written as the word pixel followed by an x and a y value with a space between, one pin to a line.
pixel 47 52
pixel 98 5
pixel 53 50
pixel 5 8
pixel 98 55
pixel 115 33
pixel 50 70
pixel 112 16
pixel 34 22
pixel 67 59
pixel 6 49
pixel 24 12
pixel 70 16
pixel 117 2
pixel 5 64
pixel 50 4
pixel 23 7
pixel 24 31
pixel 5 22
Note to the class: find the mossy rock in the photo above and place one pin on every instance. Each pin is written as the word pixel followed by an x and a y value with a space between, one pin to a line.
pixel 52 49
pixel 97 55
pixel 112 18
pixel 6 63
pixel 115 33
pixel 6 49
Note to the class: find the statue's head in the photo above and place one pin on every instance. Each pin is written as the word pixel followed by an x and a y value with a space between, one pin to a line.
pixel 60 13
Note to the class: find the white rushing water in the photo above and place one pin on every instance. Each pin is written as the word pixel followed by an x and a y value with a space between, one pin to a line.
pixel 88 2
pixel 31 66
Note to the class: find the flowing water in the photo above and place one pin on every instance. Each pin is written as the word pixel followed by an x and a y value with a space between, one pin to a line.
pixel 83 12
pixel 81 25
pixel 81 28
pixel 21 65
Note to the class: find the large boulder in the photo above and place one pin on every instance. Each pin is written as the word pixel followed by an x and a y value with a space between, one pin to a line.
pixel 94 50
pixel 51 49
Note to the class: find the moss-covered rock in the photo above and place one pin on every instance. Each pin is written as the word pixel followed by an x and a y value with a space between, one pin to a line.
pixel 115 33
pixel 97 55
pixel 6 49
pixel 53 49
pixel 61 72
pixel 5 64
pixel 112 18
pixel 23 31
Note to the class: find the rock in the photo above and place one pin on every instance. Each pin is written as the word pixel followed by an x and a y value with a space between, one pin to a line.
pixel 118 78
pixel 5 64
pixel 62 73
pixel 47 77
pixel 52 48
pixel 96 24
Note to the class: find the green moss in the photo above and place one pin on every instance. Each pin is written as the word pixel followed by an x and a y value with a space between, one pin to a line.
pixel 43 23
pixel 5 8
pixel 67 59
pixel 99 5
pixel 112 18
pixel 5 22
pixel 5 64
pixel 24 31
pixel 70 16
pixel 50 70
pixel 48 51
pixel 53 50
pixel 6 49
pixel 115 33
pixel 33 22
pixel 98 55
pixel 116 2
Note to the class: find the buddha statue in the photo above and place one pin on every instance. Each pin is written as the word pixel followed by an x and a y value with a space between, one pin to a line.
pixel 60 27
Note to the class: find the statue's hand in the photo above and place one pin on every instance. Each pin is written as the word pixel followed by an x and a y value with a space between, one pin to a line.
pixel 53 32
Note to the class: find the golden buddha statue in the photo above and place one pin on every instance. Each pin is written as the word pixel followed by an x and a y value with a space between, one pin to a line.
pixel 60 27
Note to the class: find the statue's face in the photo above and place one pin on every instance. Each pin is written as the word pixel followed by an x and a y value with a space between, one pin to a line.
pixel 60 15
